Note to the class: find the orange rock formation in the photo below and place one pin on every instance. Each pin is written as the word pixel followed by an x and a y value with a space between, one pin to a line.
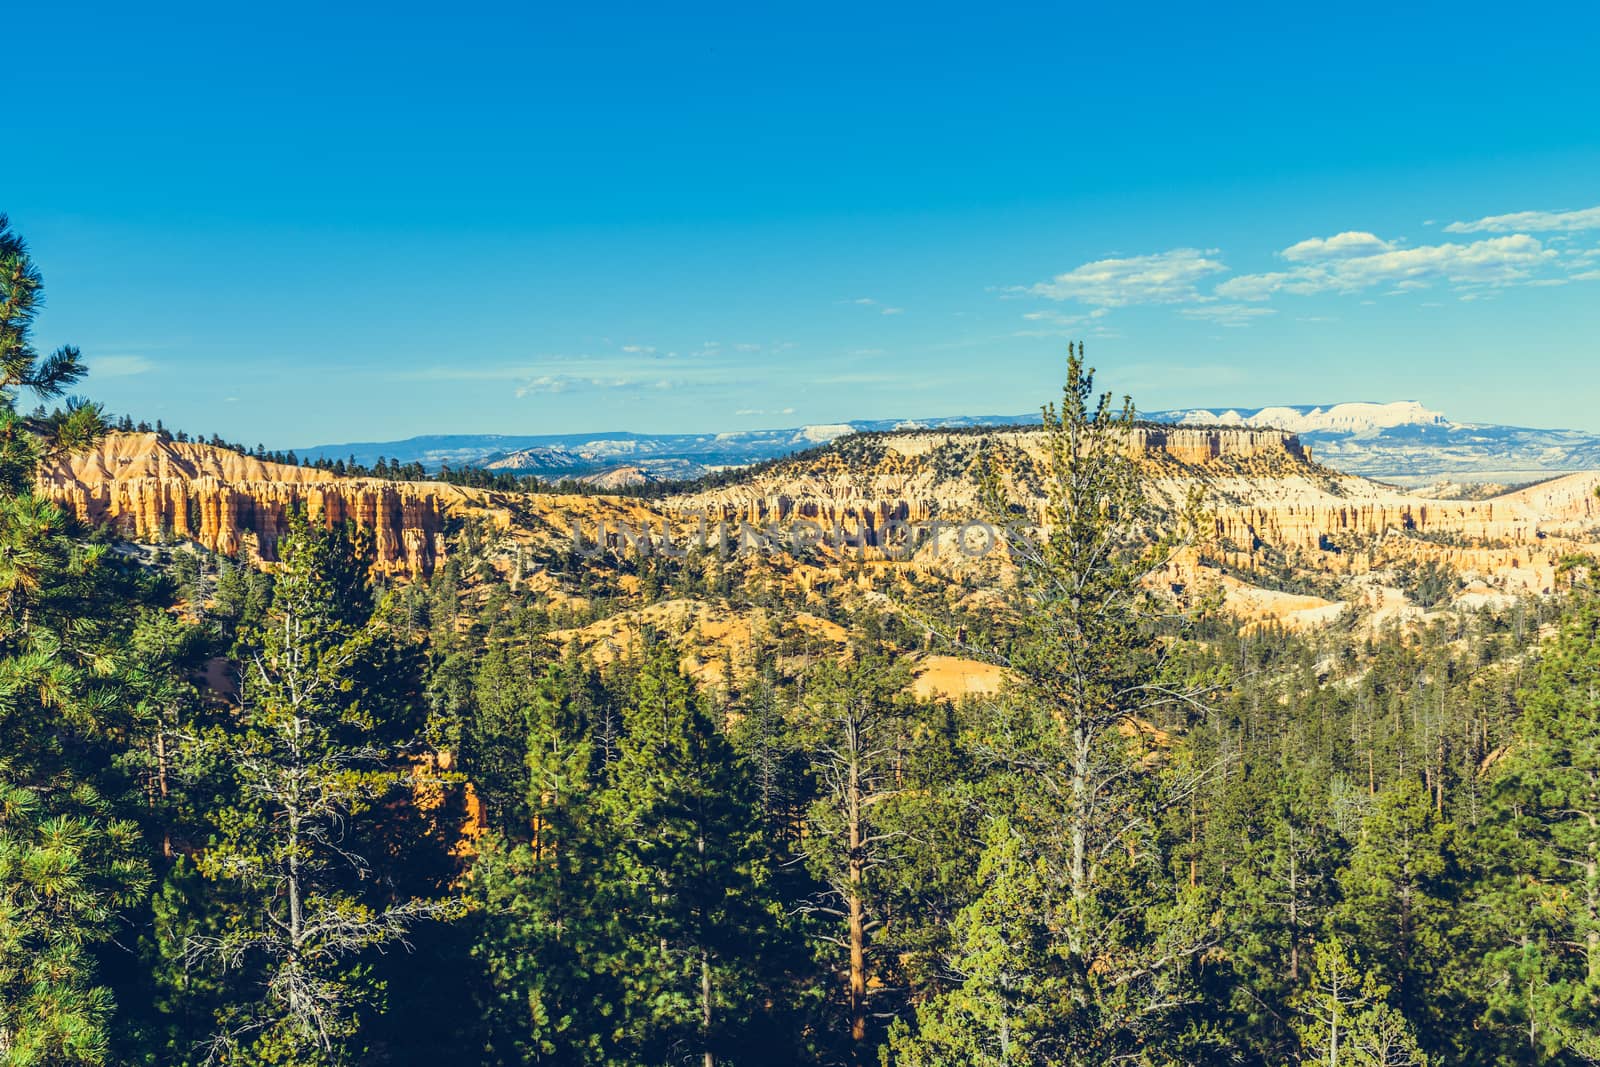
pixel 234 504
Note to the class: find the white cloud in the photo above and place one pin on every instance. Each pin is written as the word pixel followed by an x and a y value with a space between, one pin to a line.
pixel 1059 324
pixel 640 350
pixel 1339 246
pixel 566 383
pixel 894 311
pixel 1532 222
pixel 1058 318
pixel 1227 314
pixel 1162 278
pixel 1261 286
pixel 1496 261
pixel 119 366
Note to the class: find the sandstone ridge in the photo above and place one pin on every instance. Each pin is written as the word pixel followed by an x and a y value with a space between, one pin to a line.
pixel 237 505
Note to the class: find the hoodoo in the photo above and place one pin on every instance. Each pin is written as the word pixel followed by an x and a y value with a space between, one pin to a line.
pixel 148 486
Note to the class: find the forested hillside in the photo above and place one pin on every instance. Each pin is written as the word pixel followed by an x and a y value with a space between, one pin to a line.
pixel 313 812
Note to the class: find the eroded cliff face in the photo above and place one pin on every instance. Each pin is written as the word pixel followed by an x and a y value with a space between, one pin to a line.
pixel 239 506
pixel 1201 445
pixel 917 477
pixel 1269 508
pixel 1267 504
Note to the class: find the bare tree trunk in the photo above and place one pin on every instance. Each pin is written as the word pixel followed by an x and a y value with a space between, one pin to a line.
pixel 705 1003
pixel 1294 911
pixel 161 787
pixel 858 947
pixel 1081 755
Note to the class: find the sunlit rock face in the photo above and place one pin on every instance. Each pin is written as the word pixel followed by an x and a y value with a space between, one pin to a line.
pixel 238 505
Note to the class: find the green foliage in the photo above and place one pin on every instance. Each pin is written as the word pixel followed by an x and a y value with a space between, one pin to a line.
pixel 688 870
pixel 1544 972
pixel 65 870
pixel 1004 1011
pixel 1400 887
pixel 325 702
pixel 24 439
pixel 1166 841
pixel 1345 1018
pixel 1085 789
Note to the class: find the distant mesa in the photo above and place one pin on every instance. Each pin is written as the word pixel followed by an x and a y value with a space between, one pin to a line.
pixel 1353 418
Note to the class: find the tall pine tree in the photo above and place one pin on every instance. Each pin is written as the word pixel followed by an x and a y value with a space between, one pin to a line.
pixel 314 749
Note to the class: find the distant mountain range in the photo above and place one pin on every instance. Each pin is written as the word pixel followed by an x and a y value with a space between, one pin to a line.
pixel 1403 441
pixel 660 456
pixel 1411 444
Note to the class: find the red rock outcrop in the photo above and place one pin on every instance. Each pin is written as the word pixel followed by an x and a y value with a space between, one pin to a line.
pixel 238 505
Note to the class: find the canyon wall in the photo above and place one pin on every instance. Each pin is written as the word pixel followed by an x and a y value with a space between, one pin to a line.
pixel 1201 445
pixel 924 476
pixel 237 505
pixel 1264 500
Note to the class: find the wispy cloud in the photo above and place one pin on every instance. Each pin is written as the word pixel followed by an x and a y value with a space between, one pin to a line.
pixel 1058 318
pixel 878 305
pixel 621 373
pixel 566 383
pixel 1050 323
pixel 119 366
pixel 1161 278
pixel 1496 261
pixel 1532 222
pixel 1227 314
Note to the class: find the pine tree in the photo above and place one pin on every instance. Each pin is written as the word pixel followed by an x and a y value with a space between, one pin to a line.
pixel 1545 973
pixel 1091 679
pixel 63 876
pixel 1003 1011
pixel 851 836
pixel 68 864
pixel 1398 888
pixel 1346 1020
pixel 1270 847
pixel 688 885
pixel 544 941
pixel 26 439
pixel 313 751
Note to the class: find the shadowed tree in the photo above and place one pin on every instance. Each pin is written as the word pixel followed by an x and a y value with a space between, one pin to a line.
pixel 854 715
pixel 1544 977
pixel 313 751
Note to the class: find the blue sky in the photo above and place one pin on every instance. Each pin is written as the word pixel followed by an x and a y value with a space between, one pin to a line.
pixel 305 226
